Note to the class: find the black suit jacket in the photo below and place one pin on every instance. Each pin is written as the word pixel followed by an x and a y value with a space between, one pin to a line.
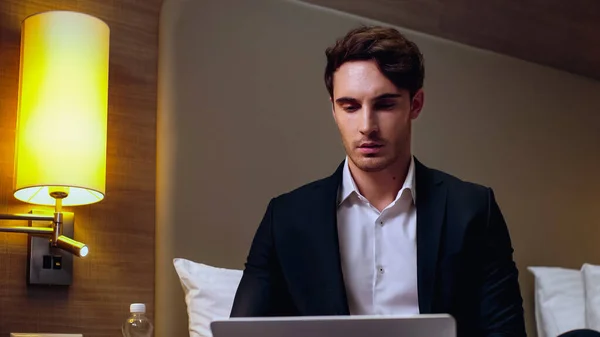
pixel 464 257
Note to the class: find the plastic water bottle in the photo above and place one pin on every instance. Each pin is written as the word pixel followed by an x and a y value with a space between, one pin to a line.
pixel 137 325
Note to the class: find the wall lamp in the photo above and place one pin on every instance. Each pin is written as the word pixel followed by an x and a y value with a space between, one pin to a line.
pixel 60 152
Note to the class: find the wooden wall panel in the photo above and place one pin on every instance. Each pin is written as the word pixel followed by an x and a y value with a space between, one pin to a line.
pixel 555 33
pixel 120 229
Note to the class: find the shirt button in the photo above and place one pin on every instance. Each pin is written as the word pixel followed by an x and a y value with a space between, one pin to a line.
pixel 381 270
pixel 381 223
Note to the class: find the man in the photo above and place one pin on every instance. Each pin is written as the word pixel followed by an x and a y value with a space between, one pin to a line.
pixel 384 234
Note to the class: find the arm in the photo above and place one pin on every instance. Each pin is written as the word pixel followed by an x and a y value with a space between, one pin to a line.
pixel 501 305
pixel 255 293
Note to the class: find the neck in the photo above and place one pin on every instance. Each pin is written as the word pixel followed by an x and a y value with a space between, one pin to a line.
pixel 381 188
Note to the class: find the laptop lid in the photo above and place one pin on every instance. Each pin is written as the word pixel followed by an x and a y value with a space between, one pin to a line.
pixel 438 325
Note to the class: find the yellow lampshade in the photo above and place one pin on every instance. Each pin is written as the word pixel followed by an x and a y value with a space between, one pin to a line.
pixel 62 111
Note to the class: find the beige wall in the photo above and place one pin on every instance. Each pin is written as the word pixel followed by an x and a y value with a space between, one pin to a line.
pixel 244 116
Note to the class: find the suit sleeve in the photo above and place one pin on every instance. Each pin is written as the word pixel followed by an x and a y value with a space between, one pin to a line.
pixel 501 308
pixel 255 291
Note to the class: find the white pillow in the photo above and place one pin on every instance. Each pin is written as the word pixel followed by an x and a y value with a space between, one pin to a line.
pixel 591 280
pixel 559 300
pixel 209 293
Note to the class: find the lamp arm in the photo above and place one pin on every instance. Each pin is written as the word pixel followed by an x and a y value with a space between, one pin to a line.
pixel 53 232
pixel 37 231
pixel 28 217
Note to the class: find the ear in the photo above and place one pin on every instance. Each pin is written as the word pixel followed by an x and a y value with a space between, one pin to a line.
pixel 416 105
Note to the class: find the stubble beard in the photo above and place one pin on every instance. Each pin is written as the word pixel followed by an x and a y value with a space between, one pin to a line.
pixel 373 163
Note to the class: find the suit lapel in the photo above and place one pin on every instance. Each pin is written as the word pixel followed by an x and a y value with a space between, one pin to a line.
pixel 333 299
pixel 431 208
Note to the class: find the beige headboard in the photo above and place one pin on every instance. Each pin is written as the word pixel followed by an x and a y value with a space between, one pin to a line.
pixel 244 116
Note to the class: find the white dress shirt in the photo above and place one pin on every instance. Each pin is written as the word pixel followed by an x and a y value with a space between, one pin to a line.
pixel 378 249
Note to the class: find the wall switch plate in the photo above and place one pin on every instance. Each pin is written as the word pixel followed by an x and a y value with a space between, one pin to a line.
pixel 47 265
pixel 44 335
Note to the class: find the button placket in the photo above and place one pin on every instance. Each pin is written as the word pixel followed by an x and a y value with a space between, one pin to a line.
pixel 378 242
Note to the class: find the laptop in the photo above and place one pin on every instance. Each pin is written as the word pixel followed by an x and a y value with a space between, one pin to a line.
pixel 438 325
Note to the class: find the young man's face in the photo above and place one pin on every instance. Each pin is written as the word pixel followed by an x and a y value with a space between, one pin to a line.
pixel 373 116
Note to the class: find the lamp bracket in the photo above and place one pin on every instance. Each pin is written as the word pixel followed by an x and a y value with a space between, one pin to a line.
pixel 46 263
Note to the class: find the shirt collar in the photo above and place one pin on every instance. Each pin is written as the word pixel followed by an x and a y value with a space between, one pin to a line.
pixel 348 186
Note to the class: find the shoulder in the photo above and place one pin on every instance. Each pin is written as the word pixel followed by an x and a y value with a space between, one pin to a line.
pixel 304 193
pixel 467 203
pixel 457 184
pixel 313 191
pixel 462 192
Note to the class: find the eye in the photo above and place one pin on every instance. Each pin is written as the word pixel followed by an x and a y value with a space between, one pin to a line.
pixel 350 108
pixel 385 106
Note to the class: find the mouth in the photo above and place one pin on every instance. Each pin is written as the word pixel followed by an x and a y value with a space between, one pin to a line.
pixel 370 148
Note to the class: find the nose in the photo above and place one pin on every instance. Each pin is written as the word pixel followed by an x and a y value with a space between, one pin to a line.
pixel 368 122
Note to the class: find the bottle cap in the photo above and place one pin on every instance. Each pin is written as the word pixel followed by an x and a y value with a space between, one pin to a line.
pixel 137 308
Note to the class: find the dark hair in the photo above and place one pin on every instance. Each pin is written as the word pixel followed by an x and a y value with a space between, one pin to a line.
pixel 398 58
